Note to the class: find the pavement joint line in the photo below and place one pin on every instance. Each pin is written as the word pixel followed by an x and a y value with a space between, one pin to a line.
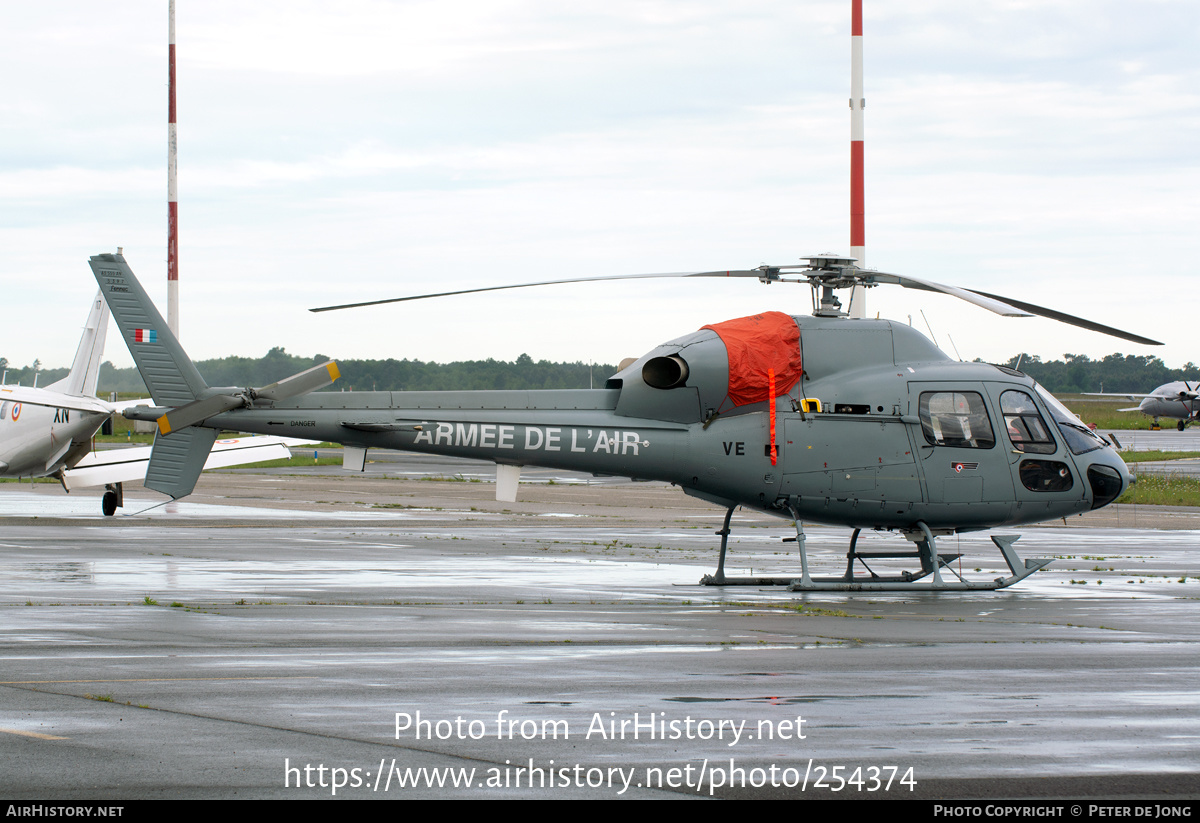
pixel 155 680
pixel 36 735
pixel 390 745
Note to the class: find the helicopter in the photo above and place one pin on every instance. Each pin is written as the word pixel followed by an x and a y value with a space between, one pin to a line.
pixel 858 423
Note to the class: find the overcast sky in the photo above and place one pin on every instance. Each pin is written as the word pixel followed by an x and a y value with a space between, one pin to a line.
pixel 359 150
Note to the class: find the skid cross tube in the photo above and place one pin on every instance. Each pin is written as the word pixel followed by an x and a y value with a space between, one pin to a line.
pixel 928 578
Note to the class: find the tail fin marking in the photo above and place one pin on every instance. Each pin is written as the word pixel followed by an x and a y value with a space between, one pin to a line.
pixel 169 374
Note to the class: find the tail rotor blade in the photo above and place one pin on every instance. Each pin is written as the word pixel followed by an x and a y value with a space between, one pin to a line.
pixel 198 411
pixel 190 414
pixel 318 377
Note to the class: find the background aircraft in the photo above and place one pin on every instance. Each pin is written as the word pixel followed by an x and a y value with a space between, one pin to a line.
pixel 1179 401
pixel 47 432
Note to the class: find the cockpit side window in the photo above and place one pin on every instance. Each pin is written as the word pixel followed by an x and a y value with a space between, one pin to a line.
pixel 956 418
pixel 1027 430
pixel 4 410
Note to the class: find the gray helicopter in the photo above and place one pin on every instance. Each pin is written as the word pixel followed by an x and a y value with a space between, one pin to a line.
pixel 823 419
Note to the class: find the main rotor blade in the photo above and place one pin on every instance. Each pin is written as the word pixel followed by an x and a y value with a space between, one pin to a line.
pixel 748 273
pixel 1071 320
pixel 1007 306
pixel 990 302
pixel 1004 306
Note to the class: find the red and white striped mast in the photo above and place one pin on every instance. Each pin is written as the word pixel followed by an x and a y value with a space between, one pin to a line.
pixel 858 231
pixel 172 186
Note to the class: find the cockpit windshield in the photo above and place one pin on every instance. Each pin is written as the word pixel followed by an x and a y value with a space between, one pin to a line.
pixel 1080 439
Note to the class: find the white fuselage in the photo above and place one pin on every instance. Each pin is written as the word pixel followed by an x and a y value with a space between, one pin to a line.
pixel 36 437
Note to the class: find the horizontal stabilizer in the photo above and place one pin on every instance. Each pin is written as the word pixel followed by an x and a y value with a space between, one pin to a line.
pixel 129 465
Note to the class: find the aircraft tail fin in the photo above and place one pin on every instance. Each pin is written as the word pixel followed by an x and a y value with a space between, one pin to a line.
pixel 169 374
pixel 166 369
pixel 85 371
pixel 183 441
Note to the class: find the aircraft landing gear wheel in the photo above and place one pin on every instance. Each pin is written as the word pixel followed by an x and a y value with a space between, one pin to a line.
pixel 1180 425
pixel 108 503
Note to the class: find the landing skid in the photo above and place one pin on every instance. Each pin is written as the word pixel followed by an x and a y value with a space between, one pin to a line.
pixel 928 578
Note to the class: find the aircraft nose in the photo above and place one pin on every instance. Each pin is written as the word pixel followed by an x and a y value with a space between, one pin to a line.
pixel 1108 479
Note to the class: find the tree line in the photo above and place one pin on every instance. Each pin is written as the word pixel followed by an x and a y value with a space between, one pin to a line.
pixel 1124 373
pixel 357 375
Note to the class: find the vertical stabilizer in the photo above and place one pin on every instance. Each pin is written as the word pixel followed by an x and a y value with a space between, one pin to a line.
pixel 176 461
pixel 85 371
pixel 166 370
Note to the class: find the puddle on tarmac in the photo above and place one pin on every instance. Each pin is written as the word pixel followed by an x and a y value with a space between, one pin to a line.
pixel 37 504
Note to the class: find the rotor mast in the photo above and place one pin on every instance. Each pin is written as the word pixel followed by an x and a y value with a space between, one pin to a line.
pixel 858 238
